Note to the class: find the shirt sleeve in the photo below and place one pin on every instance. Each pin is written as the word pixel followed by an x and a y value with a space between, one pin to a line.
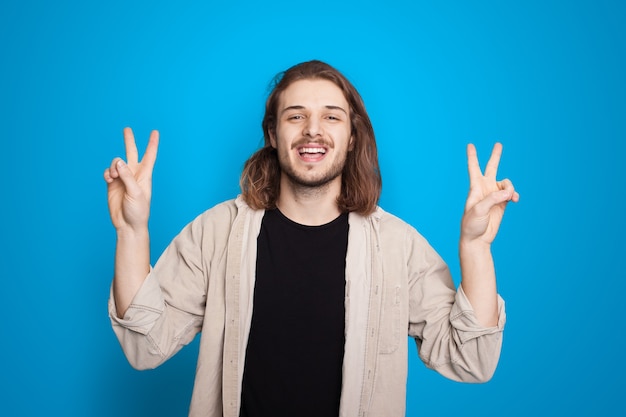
pixel 167 311
pixel 449 338
pixel 144 310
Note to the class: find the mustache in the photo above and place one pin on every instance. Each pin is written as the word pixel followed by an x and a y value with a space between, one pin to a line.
pixel 309 141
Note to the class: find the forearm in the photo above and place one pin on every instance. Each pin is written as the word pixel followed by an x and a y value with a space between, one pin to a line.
pixel 132 265
pixel 479 280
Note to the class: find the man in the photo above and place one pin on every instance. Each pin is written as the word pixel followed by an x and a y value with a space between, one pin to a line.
pixel 304 290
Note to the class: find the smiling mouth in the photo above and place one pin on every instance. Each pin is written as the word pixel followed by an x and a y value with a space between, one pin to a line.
pixel 312 151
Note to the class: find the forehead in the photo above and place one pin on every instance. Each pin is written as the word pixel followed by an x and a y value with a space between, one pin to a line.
pixel 312 93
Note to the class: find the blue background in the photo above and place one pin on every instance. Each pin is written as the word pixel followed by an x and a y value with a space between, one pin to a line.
pixel 544 77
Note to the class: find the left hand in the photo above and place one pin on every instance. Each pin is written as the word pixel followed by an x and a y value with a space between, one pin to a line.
pixel 487 199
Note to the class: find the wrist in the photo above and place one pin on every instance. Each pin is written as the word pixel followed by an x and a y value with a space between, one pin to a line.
pixel 473 246
pixel 132 233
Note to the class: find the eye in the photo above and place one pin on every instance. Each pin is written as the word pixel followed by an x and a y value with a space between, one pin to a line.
pixel 295 117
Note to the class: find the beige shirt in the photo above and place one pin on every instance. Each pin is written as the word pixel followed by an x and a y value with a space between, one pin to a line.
pixel 396 285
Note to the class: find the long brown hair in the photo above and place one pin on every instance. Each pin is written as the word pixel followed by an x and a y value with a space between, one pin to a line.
pixel 361 182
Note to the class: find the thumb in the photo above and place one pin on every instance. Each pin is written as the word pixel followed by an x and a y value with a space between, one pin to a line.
pixel 128 178
pixel 483 207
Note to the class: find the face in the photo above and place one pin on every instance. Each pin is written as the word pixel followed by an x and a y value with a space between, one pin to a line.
pixel 313 133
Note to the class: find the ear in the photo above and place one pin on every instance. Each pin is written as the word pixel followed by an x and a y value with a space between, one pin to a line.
pixel 272 133
pixel 351 143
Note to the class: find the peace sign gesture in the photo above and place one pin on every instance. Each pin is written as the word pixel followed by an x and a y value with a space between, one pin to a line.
pixel 130 184
pixel 487 198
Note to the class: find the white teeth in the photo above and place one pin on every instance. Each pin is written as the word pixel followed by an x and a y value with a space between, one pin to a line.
pixel 313 150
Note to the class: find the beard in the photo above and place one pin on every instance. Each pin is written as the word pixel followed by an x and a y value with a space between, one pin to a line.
pixel 312 180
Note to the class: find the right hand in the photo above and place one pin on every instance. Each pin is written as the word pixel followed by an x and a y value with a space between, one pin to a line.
pixel 129 184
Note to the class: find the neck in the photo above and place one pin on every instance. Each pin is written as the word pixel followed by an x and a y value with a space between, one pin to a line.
pixel 310 206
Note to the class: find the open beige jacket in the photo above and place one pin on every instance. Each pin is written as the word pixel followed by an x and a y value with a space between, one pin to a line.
pixel 396 285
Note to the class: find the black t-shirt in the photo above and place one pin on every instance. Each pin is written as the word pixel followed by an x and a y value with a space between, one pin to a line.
pixel 296 343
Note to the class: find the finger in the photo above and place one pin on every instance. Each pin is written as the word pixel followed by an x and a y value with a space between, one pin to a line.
pixel 473 167
pixel 128 178
pixel 112 170
pixel 149 157
pixel 507 185
pixel 107 176
pixel 483 207
pixel 492 166
pixel 131 148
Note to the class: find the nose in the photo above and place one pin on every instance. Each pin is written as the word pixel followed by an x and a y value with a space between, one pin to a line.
pixel 312 127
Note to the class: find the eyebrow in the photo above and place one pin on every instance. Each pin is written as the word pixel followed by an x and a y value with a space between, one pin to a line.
pixel 298 107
